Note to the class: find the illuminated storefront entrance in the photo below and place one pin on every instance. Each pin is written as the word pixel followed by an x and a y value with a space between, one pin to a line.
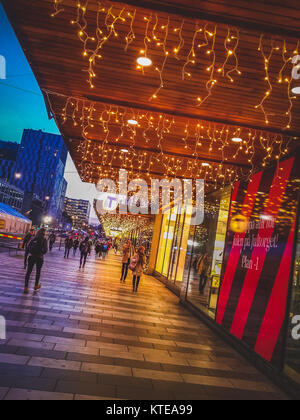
pixel 240 267
pixel 205 256
pixel 172 249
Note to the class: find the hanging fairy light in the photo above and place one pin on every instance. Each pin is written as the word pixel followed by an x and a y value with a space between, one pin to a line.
pixel 122 25
pixel 102 148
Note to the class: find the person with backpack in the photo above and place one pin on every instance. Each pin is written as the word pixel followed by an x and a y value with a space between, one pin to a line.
pixel 52 239
pixel 104 250
pixel 27 239
pixel 84 251
pixel 37 248
pixel 137 266
pixel 127 254
pixel 68 246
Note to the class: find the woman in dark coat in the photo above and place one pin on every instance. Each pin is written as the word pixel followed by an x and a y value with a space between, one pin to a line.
pixel 37 248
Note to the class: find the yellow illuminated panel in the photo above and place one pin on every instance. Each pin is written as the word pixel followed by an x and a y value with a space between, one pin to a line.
pixel 162 244
pixel 183 247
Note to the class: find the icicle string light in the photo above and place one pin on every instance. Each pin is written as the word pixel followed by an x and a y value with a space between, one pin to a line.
pixel 57 7
pixel 103 126
pixel 122 24
pixel 266 59
pixel 166 55
pixel 181 40
pixel 130 37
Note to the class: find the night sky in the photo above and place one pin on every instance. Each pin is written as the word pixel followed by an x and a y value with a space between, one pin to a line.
pixel 22 104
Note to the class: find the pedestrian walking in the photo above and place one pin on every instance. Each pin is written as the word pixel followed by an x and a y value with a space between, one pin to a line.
pixel 52 240
pixel 30 235
pixel 104 250
pixel 127 254
pixel 37 248
pixel 137 266
pixel 85 249
pixel 68 246
pixel 98 249
pixel 116 248
pixel 75 246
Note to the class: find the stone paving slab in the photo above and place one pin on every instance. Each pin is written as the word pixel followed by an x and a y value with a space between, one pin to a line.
pixel 85 336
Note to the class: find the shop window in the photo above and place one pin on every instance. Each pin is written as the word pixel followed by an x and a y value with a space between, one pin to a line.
pixel 162 243
pixel 204 253
pixel 173 244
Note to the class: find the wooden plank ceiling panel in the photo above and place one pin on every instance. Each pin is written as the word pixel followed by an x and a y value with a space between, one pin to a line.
pixel 175 129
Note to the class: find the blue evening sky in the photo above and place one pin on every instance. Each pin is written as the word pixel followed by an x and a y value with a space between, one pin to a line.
pixel 22 104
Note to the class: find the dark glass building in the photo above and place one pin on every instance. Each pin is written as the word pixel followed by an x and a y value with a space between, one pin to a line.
pixel 39 170
pixel 8 156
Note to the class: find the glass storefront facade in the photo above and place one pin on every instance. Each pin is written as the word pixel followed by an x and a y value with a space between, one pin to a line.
pixel 193 254
pixel 207 243
pixel 240 266
pixel 173 243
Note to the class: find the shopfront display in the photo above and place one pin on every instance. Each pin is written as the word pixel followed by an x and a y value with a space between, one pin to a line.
pixel 240 267
pixel 172 249
pixel 258 260
pixel 205 256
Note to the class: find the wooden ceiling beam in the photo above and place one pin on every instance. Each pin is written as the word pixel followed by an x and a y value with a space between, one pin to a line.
pixel 175 9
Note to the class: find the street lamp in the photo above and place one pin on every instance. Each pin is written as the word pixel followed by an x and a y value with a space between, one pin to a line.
pixel 48 219
pixel 18 175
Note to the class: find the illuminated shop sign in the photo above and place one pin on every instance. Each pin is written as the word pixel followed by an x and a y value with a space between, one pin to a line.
pixel 258 258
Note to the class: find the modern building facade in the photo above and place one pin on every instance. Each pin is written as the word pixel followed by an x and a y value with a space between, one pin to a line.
pixel 11 195
pixel 8 157
pixel 39 170
pixel 79 211
pixel 240 269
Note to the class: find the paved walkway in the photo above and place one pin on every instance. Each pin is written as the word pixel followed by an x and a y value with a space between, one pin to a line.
pixel 86 336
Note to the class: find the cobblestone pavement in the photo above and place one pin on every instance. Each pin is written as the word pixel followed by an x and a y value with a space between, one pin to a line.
pixel 86 336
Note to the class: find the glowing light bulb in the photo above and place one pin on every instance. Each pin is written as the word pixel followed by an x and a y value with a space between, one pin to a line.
pixel 296 90
pixel 132 122
pixel 144 61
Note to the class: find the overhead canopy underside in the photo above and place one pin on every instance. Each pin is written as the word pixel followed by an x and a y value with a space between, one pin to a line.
pixel 221 70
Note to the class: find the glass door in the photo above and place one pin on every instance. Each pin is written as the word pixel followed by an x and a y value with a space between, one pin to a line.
pixel 176 247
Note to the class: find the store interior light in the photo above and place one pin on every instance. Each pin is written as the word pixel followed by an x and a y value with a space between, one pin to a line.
pixel 144 61
pixel 296 90
pixel 237 139
pixel 132 122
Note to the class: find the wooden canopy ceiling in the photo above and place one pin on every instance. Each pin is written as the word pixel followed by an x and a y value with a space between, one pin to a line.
pixel 221 69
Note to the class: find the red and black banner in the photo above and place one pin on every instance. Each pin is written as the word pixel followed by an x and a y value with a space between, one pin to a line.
pixel 258 259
